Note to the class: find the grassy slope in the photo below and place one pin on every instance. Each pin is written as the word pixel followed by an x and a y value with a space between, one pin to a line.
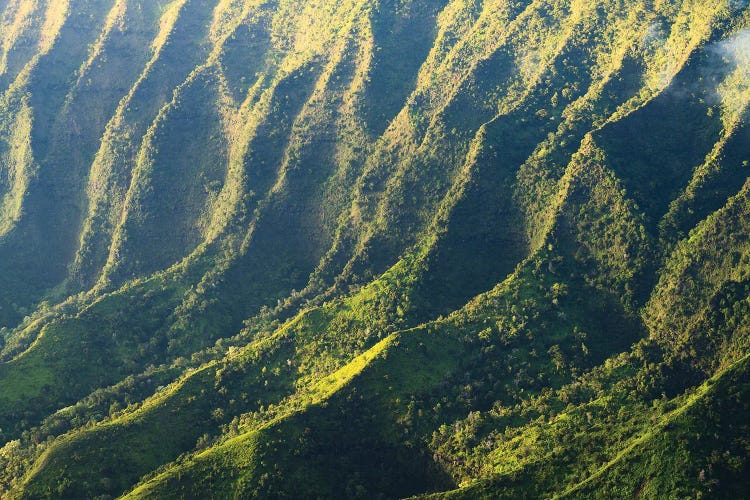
pixel 508 147
pixel 615 414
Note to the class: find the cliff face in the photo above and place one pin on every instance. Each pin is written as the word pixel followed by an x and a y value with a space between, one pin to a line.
pixel 360 248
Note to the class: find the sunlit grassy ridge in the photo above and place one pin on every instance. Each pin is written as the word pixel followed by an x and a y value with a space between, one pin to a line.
pixel 362 248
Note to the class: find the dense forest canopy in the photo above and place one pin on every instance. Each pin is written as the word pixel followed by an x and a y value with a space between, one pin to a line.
pixel 374 248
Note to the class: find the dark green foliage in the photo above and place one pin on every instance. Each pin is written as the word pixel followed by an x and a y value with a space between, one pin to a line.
pixel 374 249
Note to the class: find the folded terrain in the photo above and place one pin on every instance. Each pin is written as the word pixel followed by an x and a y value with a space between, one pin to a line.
pixel 374 249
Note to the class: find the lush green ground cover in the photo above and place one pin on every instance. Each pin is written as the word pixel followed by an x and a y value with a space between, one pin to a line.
pixel 374 248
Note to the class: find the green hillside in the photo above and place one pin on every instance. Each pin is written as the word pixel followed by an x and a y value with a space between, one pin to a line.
pixel 374 248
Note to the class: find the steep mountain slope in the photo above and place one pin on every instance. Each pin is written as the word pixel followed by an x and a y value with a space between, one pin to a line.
pixel 374 248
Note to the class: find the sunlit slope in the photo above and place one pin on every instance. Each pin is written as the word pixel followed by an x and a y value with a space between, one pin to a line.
pixel 356 248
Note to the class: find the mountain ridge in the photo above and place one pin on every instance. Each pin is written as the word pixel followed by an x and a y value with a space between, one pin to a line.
pixel 287 229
